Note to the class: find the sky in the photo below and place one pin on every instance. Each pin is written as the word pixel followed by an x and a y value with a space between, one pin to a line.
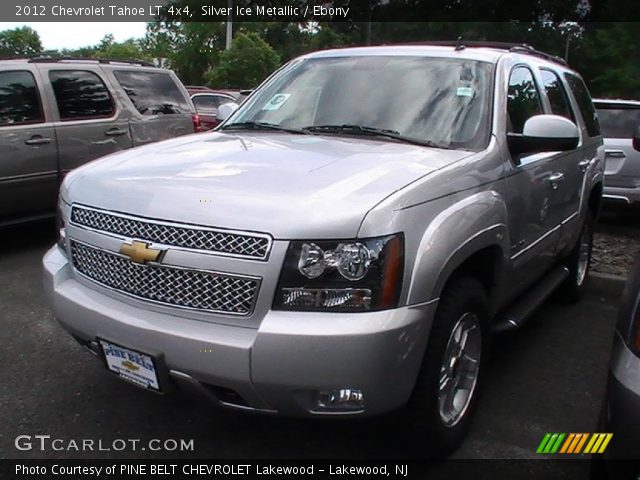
pixel 59 35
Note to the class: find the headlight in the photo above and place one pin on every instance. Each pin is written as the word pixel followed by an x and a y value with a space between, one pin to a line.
pixel 342 276
pixel 60 227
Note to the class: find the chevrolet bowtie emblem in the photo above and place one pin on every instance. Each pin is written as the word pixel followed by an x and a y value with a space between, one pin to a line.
pixel 139 252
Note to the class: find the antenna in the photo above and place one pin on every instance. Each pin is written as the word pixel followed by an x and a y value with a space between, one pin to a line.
pixel 459 44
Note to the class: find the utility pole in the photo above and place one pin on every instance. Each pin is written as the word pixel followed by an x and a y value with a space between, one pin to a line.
pixel 229 25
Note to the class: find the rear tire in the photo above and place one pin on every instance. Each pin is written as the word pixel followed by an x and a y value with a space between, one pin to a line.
pixel 442 403
pixel 579 262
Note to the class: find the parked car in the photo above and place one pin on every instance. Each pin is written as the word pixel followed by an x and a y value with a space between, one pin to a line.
pixel 620 120
pixel 206 102
pixel 57 114
pixel 327 252
pixel 621 408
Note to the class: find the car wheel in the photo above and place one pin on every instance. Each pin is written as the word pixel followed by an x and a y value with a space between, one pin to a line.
pixel 579 262
pixel 446 390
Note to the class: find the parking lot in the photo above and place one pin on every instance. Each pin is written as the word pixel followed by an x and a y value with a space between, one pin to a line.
pixel 549 376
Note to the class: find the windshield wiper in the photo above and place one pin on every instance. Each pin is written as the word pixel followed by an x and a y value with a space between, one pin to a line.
pixel 370 131
pixel 251 125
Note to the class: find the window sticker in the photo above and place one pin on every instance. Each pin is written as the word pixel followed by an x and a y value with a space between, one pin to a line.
pixel 276 101
pixel 464 92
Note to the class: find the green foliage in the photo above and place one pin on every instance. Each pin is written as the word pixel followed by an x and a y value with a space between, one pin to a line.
pixel 191 48
pixel 20 41
pixel 129 49
pixel 247 63
pixel 614 69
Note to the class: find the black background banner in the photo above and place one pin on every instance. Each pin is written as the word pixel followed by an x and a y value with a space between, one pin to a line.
pixel 319 10
pixel 313 469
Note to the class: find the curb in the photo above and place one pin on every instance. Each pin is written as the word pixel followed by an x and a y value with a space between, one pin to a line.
pixel 612 284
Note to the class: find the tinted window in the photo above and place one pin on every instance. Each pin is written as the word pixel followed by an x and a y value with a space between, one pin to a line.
pixel 618 122
pixel 209 102
pixel 585 104
pixel 523 99
pixel 556 94
pixel 153 93
pixel 80 95
pixel 19 99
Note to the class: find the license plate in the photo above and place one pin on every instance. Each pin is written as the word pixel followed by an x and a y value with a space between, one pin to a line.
pixel 131 365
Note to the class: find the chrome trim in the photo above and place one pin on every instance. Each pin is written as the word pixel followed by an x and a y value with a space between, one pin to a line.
pixel 553 230
pixel 117 291
pixel 569 218
pixel 223 231
pixel 618 198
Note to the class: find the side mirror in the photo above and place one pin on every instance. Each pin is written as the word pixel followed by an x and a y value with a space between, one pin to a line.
pixel 226 109
pixel 636 139
pixel 544 133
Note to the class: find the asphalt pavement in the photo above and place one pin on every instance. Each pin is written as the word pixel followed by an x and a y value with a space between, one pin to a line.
pixel 547 377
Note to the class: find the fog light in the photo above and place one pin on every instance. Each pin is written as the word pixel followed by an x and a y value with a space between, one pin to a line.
pixel 342 399
pixel 339 299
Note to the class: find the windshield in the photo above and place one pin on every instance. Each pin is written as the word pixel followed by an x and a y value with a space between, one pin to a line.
pixel 445 102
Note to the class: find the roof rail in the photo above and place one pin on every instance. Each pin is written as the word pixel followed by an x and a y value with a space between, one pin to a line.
pixel 508 46
pixel 46 59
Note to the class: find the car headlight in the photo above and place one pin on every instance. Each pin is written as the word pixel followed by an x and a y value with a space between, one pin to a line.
pixel 342 276
pixel 61 235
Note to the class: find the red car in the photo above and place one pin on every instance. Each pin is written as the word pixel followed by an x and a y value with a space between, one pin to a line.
pixel 206 100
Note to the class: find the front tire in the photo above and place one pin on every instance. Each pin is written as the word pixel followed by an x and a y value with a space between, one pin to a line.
pixel 443 400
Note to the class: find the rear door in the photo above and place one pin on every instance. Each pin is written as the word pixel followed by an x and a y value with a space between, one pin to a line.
pixel 89 123
pixel 619 121
pixel 566 166
pixel 534 220
pixel 162 108
pixel 28 152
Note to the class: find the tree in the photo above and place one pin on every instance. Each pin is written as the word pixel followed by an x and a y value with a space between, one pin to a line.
pixel 20 41
pixel 247 63
pixel 131 49
pixel 191 48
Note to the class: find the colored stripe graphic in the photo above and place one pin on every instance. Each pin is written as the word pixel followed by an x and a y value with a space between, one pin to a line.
pixel 573 443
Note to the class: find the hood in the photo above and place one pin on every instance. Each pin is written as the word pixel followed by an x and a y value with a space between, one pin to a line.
pixel 291 186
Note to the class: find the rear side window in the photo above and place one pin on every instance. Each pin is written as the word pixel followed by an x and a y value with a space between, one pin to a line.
pixel 80 95
pixel 556 94
pixel 587 110
pixel 153 93
pixel 523 100
pixel 617 122
pixel 209 102
pixel 19 99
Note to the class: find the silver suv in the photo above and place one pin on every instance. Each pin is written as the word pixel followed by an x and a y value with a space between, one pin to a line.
pixel 346 241
pixel 56 114
pixel 620 121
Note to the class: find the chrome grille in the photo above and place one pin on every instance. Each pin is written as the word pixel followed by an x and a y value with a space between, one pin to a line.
pixel 173 234
pixel 195 289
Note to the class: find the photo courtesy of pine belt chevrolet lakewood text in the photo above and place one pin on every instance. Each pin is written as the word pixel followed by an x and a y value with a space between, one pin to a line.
pixel 346 241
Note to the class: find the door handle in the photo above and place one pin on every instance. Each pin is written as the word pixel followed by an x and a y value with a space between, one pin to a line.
pixel 37 140
pixel 584 165
pixel 615 154
pixel 115 132
pixel 555 179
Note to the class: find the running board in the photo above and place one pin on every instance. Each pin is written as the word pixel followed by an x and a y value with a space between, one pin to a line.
pixel 516 315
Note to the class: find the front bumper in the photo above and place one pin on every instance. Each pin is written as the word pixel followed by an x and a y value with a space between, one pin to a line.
pixel 622 405
pixel 274 368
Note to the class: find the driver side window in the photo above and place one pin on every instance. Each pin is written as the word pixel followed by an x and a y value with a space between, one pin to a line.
pixel 523 99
